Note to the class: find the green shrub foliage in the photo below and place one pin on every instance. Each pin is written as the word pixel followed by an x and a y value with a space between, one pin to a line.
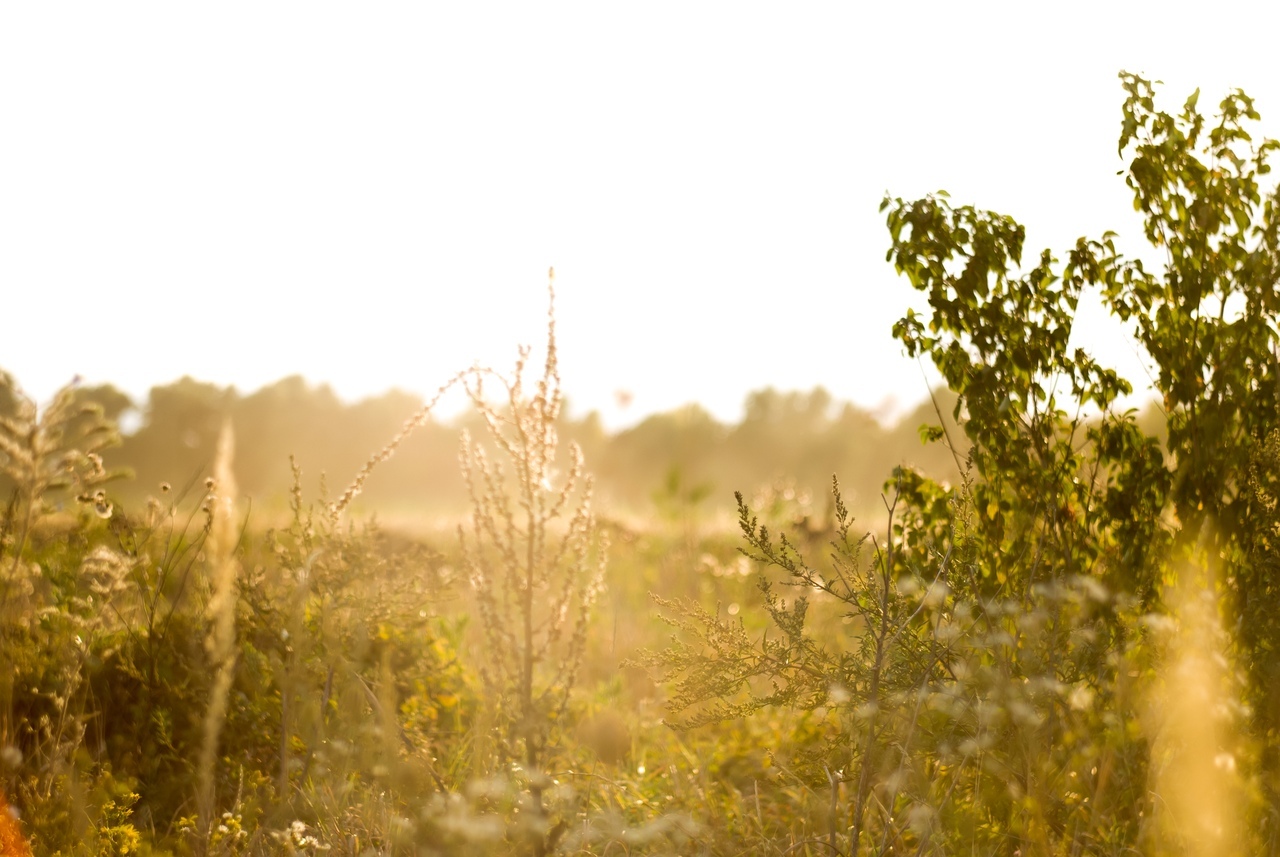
pixel 999 645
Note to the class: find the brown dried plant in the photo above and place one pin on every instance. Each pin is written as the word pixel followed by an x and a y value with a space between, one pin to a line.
pixel 418 419
pixel 534 556
pixel 535 559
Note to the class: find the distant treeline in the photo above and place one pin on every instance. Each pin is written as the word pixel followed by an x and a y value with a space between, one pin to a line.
pixel 787 442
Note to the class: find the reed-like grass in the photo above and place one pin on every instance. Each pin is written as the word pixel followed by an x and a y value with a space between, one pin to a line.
pixel 220 638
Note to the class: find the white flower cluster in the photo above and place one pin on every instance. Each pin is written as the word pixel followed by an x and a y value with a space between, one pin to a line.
pixel 297 837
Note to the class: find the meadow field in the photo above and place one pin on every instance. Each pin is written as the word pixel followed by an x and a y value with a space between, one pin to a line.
pixel 1028 619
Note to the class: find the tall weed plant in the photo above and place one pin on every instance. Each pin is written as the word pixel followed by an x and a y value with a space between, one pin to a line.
pixel 535 559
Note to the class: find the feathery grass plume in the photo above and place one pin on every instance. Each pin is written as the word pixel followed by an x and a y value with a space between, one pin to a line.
pixel 535 559
pixel 1201 796
pixel 44 451
pixel 220 640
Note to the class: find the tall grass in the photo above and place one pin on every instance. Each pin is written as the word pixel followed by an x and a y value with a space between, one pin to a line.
pixel 220 639
pixel 536 560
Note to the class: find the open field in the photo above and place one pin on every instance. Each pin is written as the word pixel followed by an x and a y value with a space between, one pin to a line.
pixel 1045 626
pixel 190 675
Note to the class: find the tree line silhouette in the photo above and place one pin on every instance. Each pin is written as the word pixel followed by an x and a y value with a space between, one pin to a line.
pixel 784 449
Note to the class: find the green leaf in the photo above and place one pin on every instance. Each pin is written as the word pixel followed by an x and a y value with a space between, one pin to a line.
pixel 931 433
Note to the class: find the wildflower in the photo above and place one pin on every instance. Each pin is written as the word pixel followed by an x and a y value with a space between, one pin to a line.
pixel 1081 698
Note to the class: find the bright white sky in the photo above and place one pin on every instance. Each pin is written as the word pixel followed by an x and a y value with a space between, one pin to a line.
pixel 369 194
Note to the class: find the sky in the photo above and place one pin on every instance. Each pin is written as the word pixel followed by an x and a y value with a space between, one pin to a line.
pixel 370 195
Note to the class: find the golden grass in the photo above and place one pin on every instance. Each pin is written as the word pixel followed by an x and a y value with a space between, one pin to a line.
pixel 220 641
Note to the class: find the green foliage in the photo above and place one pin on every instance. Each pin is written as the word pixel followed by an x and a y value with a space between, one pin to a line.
pixel 1259 604
pixel 1052 488
pixel 949 720
pixel 1003 628
pixel 1099 497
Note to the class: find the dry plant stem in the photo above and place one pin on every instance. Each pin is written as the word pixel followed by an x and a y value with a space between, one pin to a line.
pixel 534 589
pixel 220 642
pixel 534 594
pixel 410 426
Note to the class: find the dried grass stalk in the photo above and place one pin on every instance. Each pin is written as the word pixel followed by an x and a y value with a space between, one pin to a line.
pixel 220 640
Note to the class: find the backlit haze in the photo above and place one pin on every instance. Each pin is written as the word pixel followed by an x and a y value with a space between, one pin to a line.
pixel 370 194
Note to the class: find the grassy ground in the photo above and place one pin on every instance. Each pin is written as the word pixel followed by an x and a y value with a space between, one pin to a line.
pixel 358 719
